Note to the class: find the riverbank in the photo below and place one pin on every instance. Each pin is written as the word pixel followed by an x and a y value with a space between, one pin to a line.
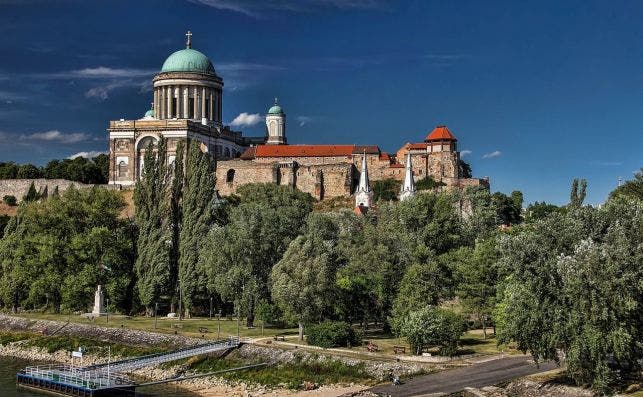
pixel 289 373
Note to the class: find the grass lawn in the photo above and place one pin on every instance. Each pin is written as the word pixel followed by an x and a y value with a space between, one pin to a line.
pixel 472 342
pixel 187 327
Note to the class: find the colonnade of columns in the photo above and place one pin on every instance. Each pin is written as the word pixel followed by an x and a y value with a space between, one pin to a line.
pixel 206 102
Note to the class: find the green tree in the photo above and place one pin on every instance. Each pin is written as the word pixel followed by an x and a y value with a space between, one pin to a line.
pixel 428 183
pixel 201 210
pixel 578 192
pixel 478 276
pixel 423 284
pixel 632 188
pixel 153 262
pixel 574 287
pixel 29 171
pixel 32 194
pixel 4 220
pixel 386 190
pixel 55 252
pixel 239 256
pixel 10 200
pixel 431 326
pixel 303 281
pixel 540 210
pixel 8 170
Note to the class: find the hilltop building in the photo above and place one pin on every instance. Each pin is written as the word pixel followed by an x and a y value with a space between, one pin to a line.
pixel 187 105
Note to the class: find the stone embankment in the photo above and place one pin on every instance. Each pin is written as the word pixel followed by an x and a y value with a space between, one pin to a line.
pixel 19 187
pixel 210 386
pixel 90 331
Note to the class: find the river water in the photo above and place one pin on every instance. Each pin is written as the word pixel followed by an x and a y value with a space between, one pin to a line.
pixel 9 366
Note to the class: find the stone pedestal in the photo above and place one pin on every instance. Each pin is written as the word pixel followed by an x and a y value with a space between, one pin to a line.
pixel 99 302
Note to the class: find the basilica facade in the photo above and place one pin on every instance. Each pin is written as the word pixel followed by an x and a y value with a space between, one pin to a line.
pixel 187 105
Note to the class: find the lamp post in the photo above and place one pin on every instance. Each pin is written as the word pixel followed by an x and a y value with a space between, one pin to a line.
pixel 156 309
pixel 180 301
pixel 210 308
pixel 107 310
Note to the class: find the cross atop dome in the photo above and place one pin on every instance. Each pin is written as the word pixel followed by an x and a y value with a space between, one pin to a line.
pixel 188 43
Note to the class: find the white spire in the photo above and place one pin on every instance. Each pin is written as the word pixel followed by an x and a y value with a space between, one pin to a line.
pixel 363 194
pixel 408 188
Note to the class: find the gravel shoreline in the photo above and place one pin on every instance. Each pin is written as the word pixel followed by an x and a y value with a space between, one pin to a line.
pixel 210 386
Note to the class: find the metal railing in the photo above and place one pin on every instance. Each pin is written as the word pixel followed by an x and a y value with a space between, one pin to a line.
pixel 159 358
pixel 76 376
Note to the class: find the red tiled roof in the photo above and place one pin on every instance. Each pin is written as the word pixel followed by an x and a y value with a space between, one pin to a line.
pixel 397 165
pixel 306 151
pixel 249 153
pixel 385 157
pixel 440 133
pixel 421 145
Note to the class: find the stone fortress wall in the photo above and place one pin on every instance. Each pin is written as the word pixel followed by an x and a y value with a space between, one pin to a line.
pixel 19 187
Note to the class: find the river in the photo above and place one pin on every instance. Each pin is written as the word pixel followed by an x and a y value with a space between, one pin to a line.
pixel 9 366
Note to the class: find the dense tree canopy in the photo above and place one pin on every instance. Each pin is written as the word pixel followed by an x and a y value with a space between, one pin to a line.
pixel 78 169
pixel 55 252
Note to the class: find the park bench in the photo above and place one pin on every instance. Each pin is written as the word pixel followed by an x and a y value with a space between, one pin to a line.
pixel 399 349
pixel 279 337
pixel 372 347
pixel 203 330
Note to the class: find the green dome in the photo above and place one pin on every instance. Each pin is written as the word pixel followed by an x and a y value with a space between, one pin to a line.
pixel 276 109
pixel 187 60
pixel 149 113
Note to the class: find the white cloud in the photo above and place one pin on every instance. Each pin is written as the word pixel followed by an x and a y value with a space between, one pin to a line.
pixel 246 120
pixel 56 136
pixel 88 155
pixel 491 155
pixel 465 152
pixel 257 9
pixel 101 72
pixel 303 120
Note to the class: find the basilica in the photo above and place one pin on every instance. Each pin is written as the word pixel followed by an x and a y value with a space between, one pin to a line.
pixel 187 105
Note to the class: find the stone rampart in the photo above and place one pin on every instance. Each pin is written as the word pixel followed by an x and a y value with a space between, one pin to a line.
pixel 19 187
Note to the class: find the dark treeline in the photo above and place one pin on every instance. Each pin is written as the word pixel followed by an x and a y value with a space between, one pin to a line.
pixel 552 279
pixel 79 169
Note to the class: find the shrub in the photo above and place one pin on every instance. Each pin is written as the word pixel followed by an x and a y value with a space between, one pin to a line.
pixel 332 334
pixel 10 200
pixel 431 326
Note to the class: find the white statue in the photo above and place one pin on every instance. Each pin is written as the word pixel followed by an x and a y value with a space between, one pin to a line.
pixel 99 305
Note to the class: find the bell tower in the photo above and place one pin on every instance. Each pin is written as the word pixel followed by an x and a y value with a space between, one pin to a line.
pixel 276 125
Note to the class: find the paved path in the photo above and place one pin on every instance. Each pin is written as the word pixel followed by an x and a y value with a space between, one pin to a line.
pixel 477 375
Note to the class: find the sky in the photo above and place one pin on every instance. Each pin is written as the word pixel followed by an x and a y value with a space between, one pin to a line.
pixel 537 93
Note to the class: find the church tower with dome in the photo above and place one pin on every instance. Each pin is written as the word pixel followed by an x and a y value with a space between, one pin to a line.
pixel 187 105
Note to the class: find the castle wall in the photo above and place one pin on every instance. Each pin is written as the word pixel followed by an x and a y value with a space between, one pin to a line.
pixel 19 187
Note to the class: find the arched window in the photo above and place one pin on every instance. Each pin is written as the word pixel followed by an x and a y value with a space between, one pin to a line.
pixel 145 142
pixel 229 177
pixel 122 168
pixel 226 153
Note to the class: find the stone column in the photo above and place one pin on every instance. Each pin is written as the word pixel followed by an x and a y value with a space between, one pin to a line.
pixel 161 91
pixel 203 104
pixel 179 102
pixel 195 110
pixel 155 103
pixel 211 104
pixel 219 100
pixel 197 104
pixel 169 101
pixel 186 102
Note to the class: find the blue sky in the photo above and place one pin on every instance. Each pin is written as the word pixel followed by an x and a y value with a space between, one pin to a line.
pixel 537 92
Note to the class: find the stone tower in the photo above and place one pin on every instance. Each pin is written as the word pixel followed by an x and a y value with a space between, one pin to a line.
pixel 364 194
pixel 276 125
pixel 407 190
